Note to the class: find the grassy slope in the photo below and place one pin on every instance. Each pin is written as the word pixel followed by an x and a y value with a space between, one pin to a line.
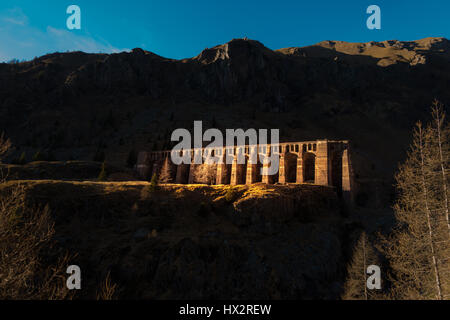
pixel 191 242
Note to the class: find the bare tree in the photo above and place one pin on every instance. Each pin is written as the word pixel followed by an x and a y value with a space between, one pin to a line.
pixel 427 211
pixel 441 137
pixel 25 241
pixel 108 289
pixel 418 250
pixel 5 145
pixel 355 287
pixel 205 173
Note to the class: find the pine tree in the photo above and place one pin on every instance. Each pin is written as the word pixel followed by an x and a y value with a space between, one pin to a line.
pixel 364 255
pixel 167 172
pixel 153 184
pixel 419 248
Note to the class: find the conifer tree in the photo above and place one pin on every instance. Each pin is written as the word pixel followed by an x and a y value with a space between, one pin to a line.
pixel 364 255
pixel 153 184
pixel 419 248
pixel 167 172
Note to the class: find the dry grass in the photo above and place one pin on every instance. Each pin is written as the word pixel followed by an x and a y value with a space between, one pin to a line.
pixel 108 289
pixel 25 241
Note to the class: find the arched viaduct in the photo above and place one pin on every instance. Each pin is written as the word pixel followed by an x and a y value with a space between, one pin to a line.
pixel 321 162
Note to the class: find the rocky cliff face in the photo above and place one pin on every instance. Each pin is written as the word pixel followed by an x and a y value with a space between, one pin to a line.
pixel 199 242
pixel 75 105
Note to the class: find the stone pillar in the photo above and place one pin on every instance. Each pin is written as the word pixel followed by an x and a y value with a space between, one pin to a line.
pixel 282 170
pixel 221 171
pixel 300 176
pixel 347 177
pixel 251 173
pixel 322 164
pixel 269 179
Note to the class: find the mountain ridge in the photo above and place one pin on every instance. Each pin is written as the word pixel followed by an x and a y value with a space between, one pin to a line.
pixel 338 45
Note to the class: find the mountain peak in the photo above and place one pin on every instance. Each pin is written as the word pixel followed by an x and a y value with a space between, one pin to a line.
pixel 385 53
pixel 234 49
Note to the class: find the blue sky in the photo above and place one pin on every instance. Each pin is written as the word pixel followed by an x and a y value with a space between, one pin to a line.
pixel 180 28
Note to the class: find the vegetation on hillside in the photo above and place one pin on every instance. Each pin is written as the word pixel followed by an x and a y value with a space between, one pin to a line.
pixel 363 256
pixel 26 248
pixel 418 248
pixel 414 258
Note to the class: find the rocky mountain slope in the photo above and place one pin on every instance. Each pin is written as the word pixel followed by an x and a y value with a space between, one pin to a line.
pixel 198 242
pixel 75 105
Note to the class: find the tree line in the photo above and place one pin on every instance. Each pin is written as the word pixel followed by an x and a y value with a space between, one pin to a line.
pixel 417 251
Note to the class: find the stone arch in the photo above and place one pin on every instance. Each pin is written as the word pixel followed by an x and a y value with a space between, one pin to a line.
pixel 182 173
pixel 290 167
pixel 309 167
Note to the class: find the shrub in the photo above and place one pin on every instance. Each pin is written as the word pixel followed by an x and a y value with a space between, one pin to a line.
pixel 230 195
pixel 26 248
pixel 25 244
pixel 153 184
pixel 108 289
